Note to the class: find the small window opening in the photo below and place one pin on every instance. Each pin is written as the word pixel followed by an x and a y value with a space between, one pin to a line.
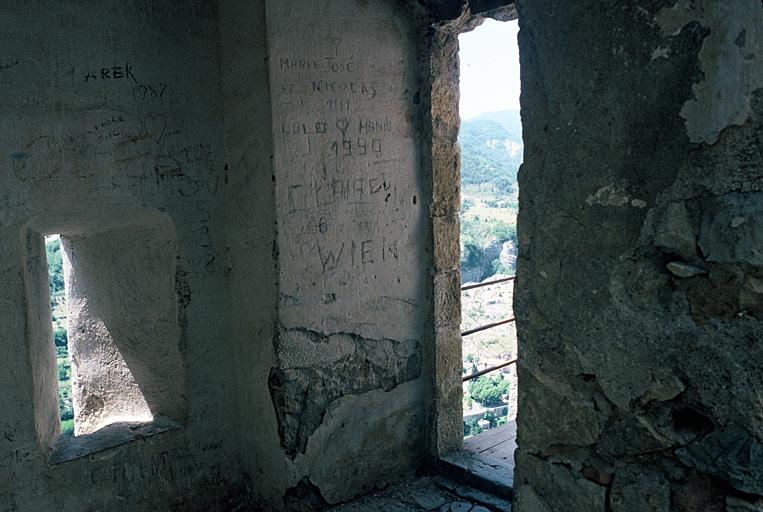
pixel 94 397
pixel 104 330
pixel 491 153
pixel 59 316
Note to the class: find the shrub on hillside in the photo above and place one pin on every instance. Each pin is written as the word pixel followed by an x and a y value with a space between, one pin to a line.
pixel 489 390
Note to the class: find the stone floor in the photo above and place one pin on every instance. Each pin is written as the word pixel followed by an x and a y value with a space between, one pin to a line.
pixel 486 461
pixel 432 493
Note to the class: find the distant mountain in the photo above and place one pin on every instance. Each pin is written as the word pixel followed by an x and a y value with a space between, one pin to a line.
pixel 491 153
pixel 491 149
pixel 509 119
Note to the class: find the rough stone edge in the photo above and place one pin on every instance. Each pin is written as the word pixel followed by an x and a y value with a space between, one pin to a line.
pixel 442 127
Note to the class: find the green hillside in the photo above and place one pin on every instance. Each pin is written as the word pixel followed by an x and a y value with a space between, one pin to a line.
pixel 509 119
pixel 491 153
pixel 60 339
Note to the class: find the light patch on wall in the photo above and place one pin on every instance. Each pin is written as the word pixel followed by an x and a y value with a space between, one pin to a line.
pixel 660 53
pixel 123 401
pixel 613 195
pixel 728 56
pixel 102 386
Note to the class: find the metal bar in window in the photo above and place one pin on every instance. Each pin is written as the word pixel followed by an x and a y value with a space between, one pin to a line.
pixel 486 327
pixel 480 285
pixel 488 370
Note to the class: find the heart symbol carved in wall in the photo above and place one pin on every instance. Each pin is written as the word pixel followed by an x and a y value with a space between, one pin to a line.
pixel 342 124
pixel 154 126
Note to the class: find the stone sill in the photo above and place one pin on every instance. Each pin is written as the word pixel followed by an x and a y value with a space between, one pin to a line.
pixel 117 434
pixel 486 461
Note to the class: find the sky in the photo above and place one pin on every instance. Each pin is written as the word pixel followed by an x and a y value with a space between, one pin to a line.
pixel 489 68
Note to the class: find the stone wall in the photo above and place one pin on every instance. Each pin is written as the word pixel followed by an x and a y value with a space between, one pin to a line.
pixel 251 262
pixel 327 222
pixel 111 135
pixel 244 214
pixel 283 176
pixel 638 298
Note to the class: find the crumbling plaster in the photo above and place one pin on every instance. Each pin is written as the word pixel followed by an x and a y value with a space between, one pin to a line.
pixel 637 300
pixel 723 97
pixel 316 275
pixel 351 211
pixel 112 116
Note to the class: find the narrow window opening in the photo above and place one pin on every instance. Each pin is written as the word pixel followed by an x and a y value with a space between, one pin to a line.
pixel 491 148
pixel 59 316
pixel 491 153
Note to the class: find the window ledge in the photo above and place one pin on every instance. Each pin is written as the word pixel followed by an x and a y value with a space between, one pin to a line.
pixel 486 461
pixel 117 434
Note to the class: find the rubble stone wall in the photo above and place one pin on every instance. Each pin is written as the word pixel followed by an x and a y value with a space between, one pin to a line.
pixel 638 294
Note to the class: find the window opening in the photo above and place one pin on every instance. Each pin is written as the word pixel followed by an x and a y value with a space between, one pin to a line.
pixel 59 316
pixel 491 153
pixel 106 357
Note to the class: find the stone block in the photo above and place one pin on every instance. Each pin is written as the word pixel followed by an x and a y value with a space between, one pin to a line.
pixel 583 421
pixel 561 487
pixel 739 505
pixel 732 229
pixel 731 454
pixel 674 233
pixel 637 489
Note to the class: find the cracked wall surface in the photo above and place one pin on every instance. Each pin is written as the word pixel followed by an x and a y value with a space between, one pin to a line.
pixel 314 371
pixel 287 147
pixel 638 297
pixel 327 206
pixel 111 118
pixel 352 231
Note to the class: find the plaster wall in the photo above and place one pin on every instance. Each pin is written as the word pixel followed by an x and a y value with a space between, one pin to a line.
pixel 638 299
pixel 110 111
pixel 115 137
pixel 251 259
pixel 335 347
pixel 279 152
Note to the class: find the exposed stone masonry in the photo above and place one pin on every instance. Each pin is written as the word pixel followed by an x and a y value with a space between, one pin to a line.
pixel 638 298
pixel 316 370
pixel 302 331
